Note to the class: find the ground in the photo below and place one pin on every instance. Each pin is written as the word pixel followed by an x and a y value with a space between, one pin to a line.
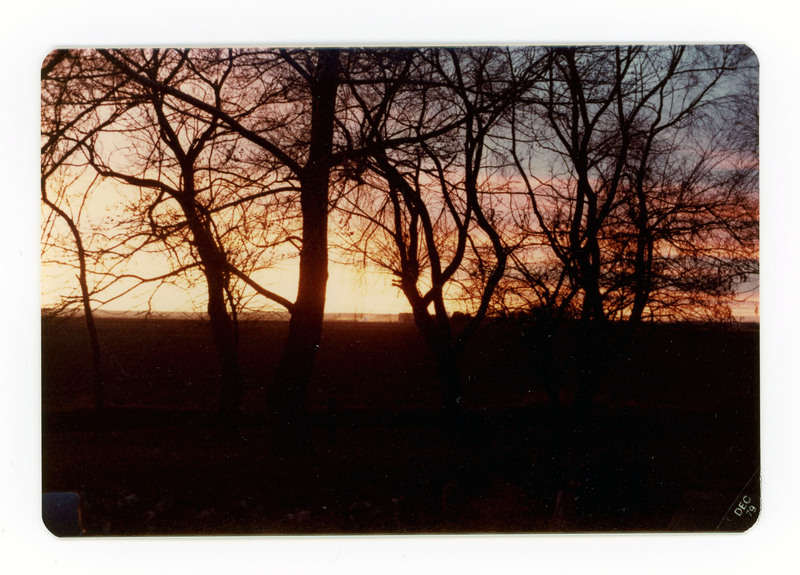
pixel 670 443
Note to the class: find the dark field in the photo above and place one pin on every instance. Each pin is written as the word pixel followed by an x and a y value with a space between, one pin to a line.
pixel 670 444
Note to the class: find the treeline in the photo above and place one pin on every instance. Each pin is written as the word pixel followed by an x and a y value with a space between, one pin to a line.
pixel 590 184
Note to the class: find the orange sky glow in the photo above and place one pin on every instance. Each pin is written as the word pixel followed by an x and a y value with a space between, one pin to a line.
pixel 352 289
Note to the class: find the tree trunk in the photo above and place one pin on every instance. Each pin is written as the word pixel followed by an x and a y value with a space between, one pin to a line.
pixel 286 396
pixel 88 314
pixel 94 343
pixel 642 275
pixel 223 330
pixel 227 352
pixel 214 264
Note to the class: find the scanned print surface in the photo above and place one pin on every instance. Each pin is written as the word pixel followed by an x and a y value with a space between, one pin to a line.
pixel 400 290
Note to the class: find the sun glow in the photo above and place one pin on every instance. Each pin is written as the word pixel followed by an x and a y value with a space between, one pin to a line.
pixel 350 291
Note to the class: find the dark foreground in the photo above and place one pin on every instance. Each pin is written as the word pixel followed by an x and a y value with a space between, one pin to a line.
pixel 670 444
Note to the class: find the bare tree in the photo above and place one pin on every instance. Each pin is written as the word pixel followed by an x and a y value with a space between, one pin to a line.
pixel 430 212
pixel 627 186
pixel 610 121
pixel 302 146
pixel 196 192
pixel 177 145
pixel 594 183
pixel 309 138
pixel 77 101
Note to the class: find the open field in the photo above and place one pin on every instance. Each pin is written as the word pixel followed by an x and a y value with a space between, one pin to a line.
pixel 670 444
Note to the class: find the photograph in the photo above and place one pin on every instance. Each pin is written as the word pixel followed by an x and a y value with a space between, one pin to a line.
pixel 400 290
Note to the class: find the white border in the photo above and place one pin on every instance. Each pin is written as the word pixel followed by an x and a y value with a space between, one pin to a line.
pixel 29 30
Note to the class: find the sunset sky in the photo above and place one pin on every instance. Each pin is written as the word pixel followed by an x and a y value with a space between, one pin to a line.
pixel 351 289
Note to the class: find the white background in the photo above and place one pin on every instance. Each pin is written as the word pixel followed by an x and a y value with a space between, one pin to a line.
pixel 28 30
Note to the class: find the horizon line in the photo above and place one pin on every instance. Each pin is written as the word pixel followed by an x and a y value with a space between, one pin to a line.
pixel 391 317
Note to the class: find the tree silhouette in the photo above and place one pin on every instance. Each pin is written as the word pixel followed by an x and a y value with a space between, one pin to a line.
pixel 595 184
pixel 435 221
pixel 68 122
pixel 304 154
pixel 621 127
pixel 641 205
pixel 177 149
pixel 201 194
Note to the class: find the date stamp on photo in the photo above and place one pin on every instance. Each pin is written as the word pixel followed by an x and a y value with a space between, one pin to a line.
pixel 744 511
